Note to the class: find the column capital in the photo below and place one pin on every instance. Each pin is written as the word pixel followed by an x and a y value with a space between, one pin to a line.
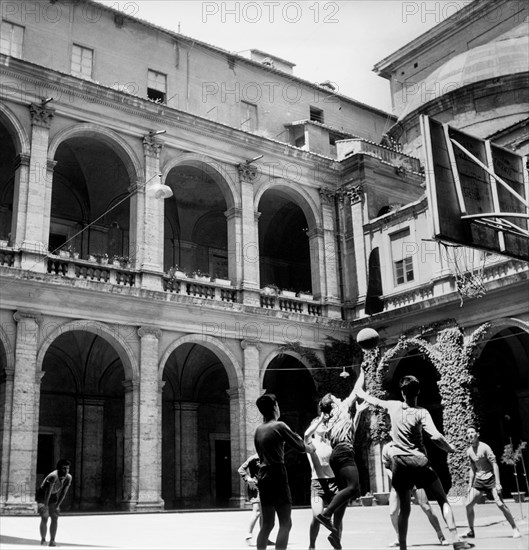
pixel 130 385
pixel 355 194
pixel 41 115
pixel 234 393
pixel 149 331
pixel 138 186
pixel 247 172
pixel 21 315
pixel 315 232
pixel 327 195
pixel 22 160
pixel 50 165
pixel 245 344
pixel 233 212
pixel 152 146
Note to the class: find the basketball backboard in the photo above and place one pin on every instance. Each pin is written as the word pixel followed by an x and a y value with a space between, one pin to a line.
pixel 478 191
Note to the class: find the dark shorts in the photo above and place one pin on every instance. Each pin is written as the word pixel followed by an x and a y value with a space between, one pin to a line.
pixel 324 489
pixel 342 455
pixel 485 485
pixel 272 482
pixel 410 470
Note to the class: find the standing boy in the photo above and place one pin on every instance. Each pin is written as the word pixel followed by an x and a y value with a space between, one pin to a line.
pixel 272 480
pixel 53 490
pixel 484 476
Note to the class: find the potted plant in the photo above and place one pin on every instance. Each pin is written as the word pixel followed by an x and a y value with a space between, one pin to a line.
pixel 74 253
pixel 367 499
pixel 305 295
pixel 221 281
pixel 382 499
pixel 176 273
pixel 64 253
pixel 271 289
pixel 200 276
pixel 512 457
pixel 288 293
pixel 4 243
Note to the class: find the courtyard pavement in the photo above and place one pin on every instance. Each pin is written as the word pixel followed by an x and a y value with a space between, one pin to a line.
pixel 365 528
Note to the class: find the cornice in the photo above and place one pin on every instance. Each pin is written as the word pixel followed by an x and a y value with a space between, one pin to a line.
pixel 143 108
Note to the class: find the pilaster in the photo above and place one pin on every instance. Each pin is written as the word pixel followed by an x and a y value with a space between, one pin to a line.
pixel 186 450
pixel 18 488
pixel 150 423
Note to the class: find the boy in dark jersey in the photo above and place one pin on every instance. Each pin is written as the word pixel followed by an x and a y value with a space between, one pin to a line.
pixel 484 476
pixel 272 481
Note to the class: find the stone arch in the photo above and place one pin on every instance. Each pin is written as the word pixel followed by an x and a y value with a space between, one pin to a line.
pixel 112 139
pixel 220 172
pixel 482 335
pixel 273 354
pixel 297 195
pixel 226 356
pixel 18 132
pixel 108 333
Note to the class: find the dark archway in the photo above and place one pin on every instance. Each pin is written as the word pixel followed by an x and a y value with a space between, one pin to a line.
pixel 90 179
pixel 295 390
pixel 417 364
pixel 502 382
pixel 196 461
pixel 82 418
pixel 284 251
pixel 7 176
pixel 196 228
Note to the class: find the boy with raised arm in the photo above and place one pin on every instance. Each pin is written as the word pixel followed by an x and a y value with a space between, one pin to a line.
pixel 410 465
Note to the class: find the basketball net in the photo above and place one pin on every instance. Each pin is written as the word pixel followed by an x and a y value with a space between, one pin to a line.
pixel 467 266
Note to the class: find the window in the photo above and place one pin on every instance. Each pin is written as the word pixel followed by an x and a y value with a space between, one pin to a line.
pixel 82 61
pixel 402 260
pixel 249 116
pixel 316 114
pixel 11 39
pixel 157 86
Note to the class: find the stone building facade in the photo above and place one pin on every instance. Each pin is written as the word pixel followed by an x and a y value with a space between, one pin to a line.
pixel 137 329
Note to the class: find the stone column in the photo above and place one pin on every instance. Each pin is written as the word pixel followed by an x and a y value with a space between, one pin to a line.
pixel 249 239
pixel 150 423
pixel 89 452
pixel 34 194
pixel 152 219
pixel 20 200
pixel 235 268
pixel 355 251
pixel 19 484
pixel 324 256
pixel 130 445
pixel 237 444
pixel 6 406
pixel 252 390
pixel 186 452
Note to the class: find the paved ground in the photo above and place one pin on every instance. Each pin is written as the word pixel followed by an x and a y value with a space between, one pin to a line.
pixel 364 528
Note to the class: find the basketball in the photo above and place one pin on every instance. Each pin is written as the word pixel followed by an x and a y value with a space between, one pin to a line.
pixel 368 338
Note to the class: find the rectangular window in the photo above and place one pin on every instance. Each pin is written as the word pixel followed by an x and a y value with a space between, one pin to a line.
pixel 402 261
pixel 249 116
pixel 11 39
pixel 82 61
pixel 157 86
pixel 316 115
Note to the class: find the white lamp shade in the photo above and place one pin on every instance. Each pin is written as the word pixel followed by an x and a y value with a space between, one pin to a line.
pixel 160 191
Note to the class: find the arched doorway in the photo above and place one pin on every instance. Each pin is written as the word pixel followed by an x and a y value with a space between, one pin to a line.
pixel 502 384
pixel 295 390
pixel 284 250
pixel 196 456
pixel 81 418
pixel 417 363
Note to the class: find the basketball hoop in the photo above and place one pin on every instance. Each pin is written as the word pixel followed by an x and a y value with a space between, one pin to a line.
pixel 467 266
